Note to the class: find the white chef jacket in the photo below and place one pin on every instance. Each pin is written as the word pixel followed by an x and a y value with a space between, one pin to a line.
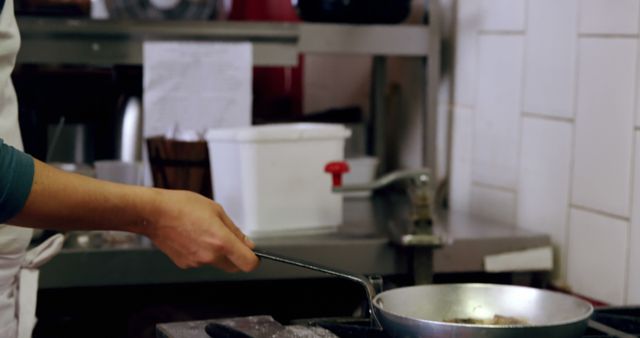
pixel 18 273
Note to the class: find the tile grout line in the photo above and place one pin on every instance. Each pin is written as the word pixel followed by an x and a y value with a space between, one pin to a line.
pixel 607 36
pixel 600 212
pixel 634 179
pixel 494 187
pixel 627 269
pixel 499 32
pixel 548 117
pixel 520 127
pixel 574 127
pixel 476 60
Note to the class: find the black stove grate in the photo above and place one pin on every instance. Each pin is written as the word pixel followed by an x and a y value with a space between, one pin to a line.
pixel 625 319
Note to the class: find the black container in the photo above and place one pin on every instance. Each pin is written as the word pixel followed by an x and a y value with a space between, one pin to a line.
pixel 354 11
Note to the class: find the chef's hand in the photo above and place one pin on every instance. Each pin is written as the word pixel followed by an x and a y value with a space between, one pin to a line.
pixel 192 230
pixel 195 231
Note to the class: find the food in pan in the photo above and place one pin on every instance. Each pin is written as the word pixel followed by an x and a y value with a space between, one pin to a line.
pixel 496 320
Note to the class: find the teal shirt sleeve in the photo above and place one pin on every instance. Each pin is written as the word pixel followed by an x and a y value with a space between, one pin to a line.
pixel 16 179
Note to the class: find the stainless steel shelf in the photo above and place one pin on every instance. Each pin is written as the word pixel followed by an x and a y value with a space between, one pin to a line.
pixel 106 42
pixel 361 246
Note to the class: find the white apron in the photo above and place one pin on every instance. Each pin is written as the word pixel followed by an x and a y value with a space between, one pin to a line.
pixel 18 270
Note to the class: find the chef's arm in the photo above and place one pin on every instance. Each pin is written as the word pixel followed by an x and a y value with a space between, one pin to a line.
pixel 192 230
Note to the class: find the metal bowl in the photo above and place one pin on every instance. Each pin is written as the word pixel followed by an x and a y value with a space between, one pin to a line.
pixel 422 311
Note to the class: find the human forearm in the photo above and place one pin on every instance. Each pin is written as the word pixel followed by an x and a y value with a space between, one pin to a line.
pixel 191 229
pixel 65 201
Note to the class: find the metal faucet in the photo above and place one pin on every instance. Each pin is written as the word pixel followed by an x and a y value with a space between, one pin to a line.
pixel 420 237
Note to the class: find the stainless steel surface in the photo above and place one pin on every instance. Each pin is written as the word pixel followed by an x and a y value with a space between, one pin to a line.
pixel 381 40
pixel 418 236
pixel 419 311
pixel 108 42
pixel 361 246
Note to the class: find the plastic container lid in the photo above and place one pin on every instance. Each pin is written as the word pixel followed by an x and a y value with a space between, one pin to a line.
pixel 279 132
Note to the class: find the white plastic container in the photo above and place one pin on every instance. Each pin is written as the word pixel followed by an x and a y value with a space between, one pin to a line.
pixel 270 179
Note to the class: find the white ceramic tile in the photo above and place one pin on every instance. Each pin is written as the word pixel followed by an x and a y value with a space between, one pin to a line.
pixel 497 118
pixel 597 256
pixel 633 282
pixel 468 23
pixel 502 15
pixel 462 141
pixel 543 189
pixel 609 16
pixel 493 204
pixel 550 60
pixel 604 125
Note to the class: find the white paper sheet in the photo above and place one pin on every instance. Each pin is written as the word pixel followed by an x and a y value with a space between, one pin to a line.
pixel 196 85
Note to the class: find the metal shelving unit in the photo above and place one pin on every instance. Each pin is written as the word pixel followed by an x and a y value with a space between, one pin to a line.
pixel 275 44
pixel 112 42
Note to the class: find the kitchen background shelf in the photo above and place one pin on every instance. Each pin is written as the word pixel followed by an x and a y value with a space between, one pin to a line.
pixel 110 42
pixel 360 246
pixel 118 42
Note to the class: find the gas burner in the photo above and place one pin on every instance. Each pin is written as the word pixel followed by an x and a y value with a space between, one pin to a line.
pixel 625 320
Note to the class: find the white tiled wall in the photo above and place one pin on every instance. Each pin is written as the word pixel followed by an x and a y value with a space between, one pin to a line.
pixel 502 15
pixel 496 126
pixel 609 16
pixel 466 52
pixel 599 273
pixel 633 282
pixel 545 106
pixel 493 204
pixel 549 77
pixel 543 189
pixel 604 124
pixel 460 187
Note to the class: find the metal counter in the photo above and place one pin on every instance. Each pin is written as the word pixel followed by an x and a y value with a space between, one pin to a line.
pixel 361 245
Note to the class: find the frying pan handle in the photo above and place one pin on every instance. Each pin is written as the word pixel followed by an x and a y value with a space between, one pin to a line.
pixel 362 280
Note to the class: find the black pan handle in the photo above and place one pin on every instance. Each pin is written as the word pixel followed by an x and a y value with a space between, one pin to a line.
pixel 362 280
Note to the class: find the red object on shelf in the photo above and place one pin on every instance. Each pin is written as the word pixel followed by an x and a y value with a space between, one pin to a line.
pixel 277 91
pixel 336 169
pixel 263 10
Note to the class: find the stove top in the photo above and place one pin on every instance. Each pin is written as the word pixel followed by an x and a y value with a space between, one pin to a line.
pixel 625 320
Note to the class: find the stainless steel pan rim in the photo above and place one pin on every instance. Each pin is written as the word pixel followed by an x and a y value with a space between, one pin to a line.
pixel 377 303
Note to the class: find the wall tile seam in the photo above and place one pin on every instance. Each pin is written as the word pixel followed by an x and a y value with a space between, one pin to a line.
pixel 572 163
pixel 479 184
pixel 633 179
pixel 523 78
pixel 500 32
pixel 609 35
pixel 632 216
pixel 549 117
pixel 599 212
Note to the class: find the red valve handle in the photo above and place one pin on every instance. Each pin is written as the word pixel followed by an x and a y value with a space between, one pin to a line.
pixel 336 169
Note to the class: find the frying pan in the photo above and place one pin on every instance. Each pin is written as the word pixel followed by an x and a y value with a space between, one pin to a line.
pixel 421 311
